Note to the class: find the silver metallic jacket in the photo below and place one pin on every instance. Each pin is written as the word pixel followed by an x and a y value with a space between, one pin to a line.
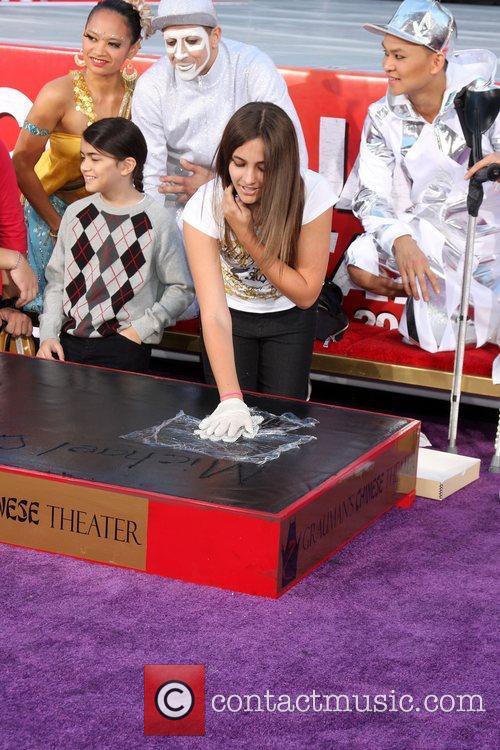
pixel 411 169
pixel 186 118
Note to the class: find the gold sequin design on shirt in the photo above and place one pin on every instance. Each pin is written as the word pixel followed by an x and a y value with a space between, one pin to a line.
pixel 85 104
pixel 236 256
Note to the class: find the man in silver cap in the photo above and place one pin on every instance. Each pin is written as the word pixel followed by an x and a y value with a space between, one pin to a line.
pixel 412 190
pixel 183 102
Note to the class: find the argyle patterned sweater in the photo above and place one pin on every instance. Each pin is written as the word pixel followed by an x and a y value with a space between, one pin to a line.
pixel 115 267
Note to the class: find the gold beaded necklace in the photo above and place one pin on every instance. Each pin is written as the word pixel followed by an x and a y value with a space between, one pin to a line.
pixel 85 104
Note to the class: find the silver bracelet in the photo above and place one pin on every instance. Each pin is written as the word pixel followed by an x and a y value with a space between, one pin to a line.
pixel 18 261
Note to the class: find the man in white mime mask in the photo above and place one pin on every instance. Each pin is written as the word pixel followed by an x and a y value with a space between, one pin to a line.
pixel 183 102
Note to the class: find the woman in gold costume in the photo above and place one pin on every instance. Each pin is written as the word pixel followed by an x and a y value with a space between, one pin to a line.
pixel 50 178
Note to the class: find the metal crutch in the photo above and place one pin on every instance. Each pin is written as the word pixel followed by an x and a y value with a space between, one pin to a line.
pixel 495 461
pixel 477 111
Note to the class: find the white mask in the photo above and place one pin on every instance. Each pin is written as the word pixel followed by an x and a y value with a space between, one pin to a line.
pixel 180 46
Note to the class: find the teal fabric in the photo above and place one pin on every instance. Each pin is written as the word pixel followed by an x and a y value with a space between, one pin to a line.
pixel 40 246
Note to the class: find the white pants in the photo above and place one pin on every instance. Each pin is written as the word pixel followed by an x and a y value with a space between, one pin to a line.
pixel 433 325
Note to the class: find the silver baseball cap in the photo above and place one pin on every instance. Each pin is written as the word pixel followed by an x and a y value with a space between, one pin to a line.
pixel 423 22
pixel 185 13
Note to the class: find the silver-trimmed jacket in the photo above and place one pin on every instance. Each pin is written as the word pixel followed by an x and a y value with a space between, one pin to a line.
pixel 399 178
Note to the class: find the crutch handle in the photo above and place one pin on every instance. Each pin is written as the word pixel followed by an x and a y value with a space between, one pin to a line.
pixel 474 197
pixel 491 173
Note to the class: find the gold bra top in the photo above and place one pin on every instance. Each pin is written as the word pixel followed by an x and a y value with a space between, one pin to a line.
pixel 59 166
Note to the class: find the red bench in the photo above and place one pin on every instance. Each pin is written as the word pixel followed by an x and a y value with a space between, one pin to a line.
pixel 330 104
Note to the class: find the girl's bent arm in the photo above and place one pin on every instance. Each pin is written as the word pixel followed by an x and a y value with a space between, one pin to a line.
pixel 204 262
pixel 301 284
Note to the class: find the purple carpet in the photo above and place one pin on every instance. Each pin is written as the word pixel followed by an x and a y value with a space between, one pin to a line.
pixel 406 608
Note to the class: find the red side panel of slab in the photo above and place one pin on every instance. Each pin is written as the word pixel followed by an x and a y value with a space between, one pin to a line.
pixel 322 523
pixel 214 546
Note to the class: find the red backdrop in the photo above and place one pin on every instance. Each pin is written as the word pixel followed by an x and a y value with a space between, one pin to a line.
pixel 316 94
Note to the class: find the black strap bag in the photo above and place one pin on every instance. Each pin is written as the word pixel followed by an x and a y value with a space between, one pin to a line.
pixel 332 320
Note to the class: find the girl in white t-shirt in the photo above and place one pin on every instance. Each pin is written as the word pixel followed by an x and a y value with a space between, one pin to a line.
pixel 257 241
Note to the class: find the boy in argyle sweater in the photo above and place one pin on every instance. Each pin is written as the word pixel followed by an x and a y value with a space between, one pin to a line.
pixel 114 280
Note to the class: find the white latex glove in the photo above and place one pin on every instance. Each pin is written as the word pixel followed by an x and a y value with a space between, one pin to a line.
pixel 231 420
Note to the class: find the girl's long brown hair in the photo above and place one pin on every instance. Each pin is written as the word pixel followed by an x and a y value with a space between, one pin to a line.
pixel 278 219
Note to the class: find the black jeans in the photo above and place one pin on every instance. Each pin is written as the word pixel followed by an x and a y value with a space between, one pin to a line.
pixel 115 351
pixel 273 351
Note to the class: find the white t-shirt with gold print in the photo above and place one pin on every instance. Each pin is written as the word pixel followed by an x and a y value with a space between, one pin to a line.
pixel 247 288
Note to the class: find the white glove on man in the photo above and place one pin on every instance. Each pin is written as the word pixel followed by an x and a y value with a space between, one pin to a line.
pixel 230 421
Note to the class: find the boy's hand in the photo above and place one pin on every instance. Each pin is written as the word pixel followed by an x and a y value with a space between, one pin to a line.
pixel 131 334
pixel 51 349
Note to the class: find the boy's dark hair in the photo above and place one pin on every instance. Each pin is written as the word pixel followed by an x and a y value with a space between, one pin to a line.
pixel 119 138
pixel 127 11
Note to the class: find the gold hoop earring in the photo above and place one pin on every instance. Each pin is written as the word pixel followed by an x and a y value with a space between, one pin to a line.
pixel 129 72
pixel 79 60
